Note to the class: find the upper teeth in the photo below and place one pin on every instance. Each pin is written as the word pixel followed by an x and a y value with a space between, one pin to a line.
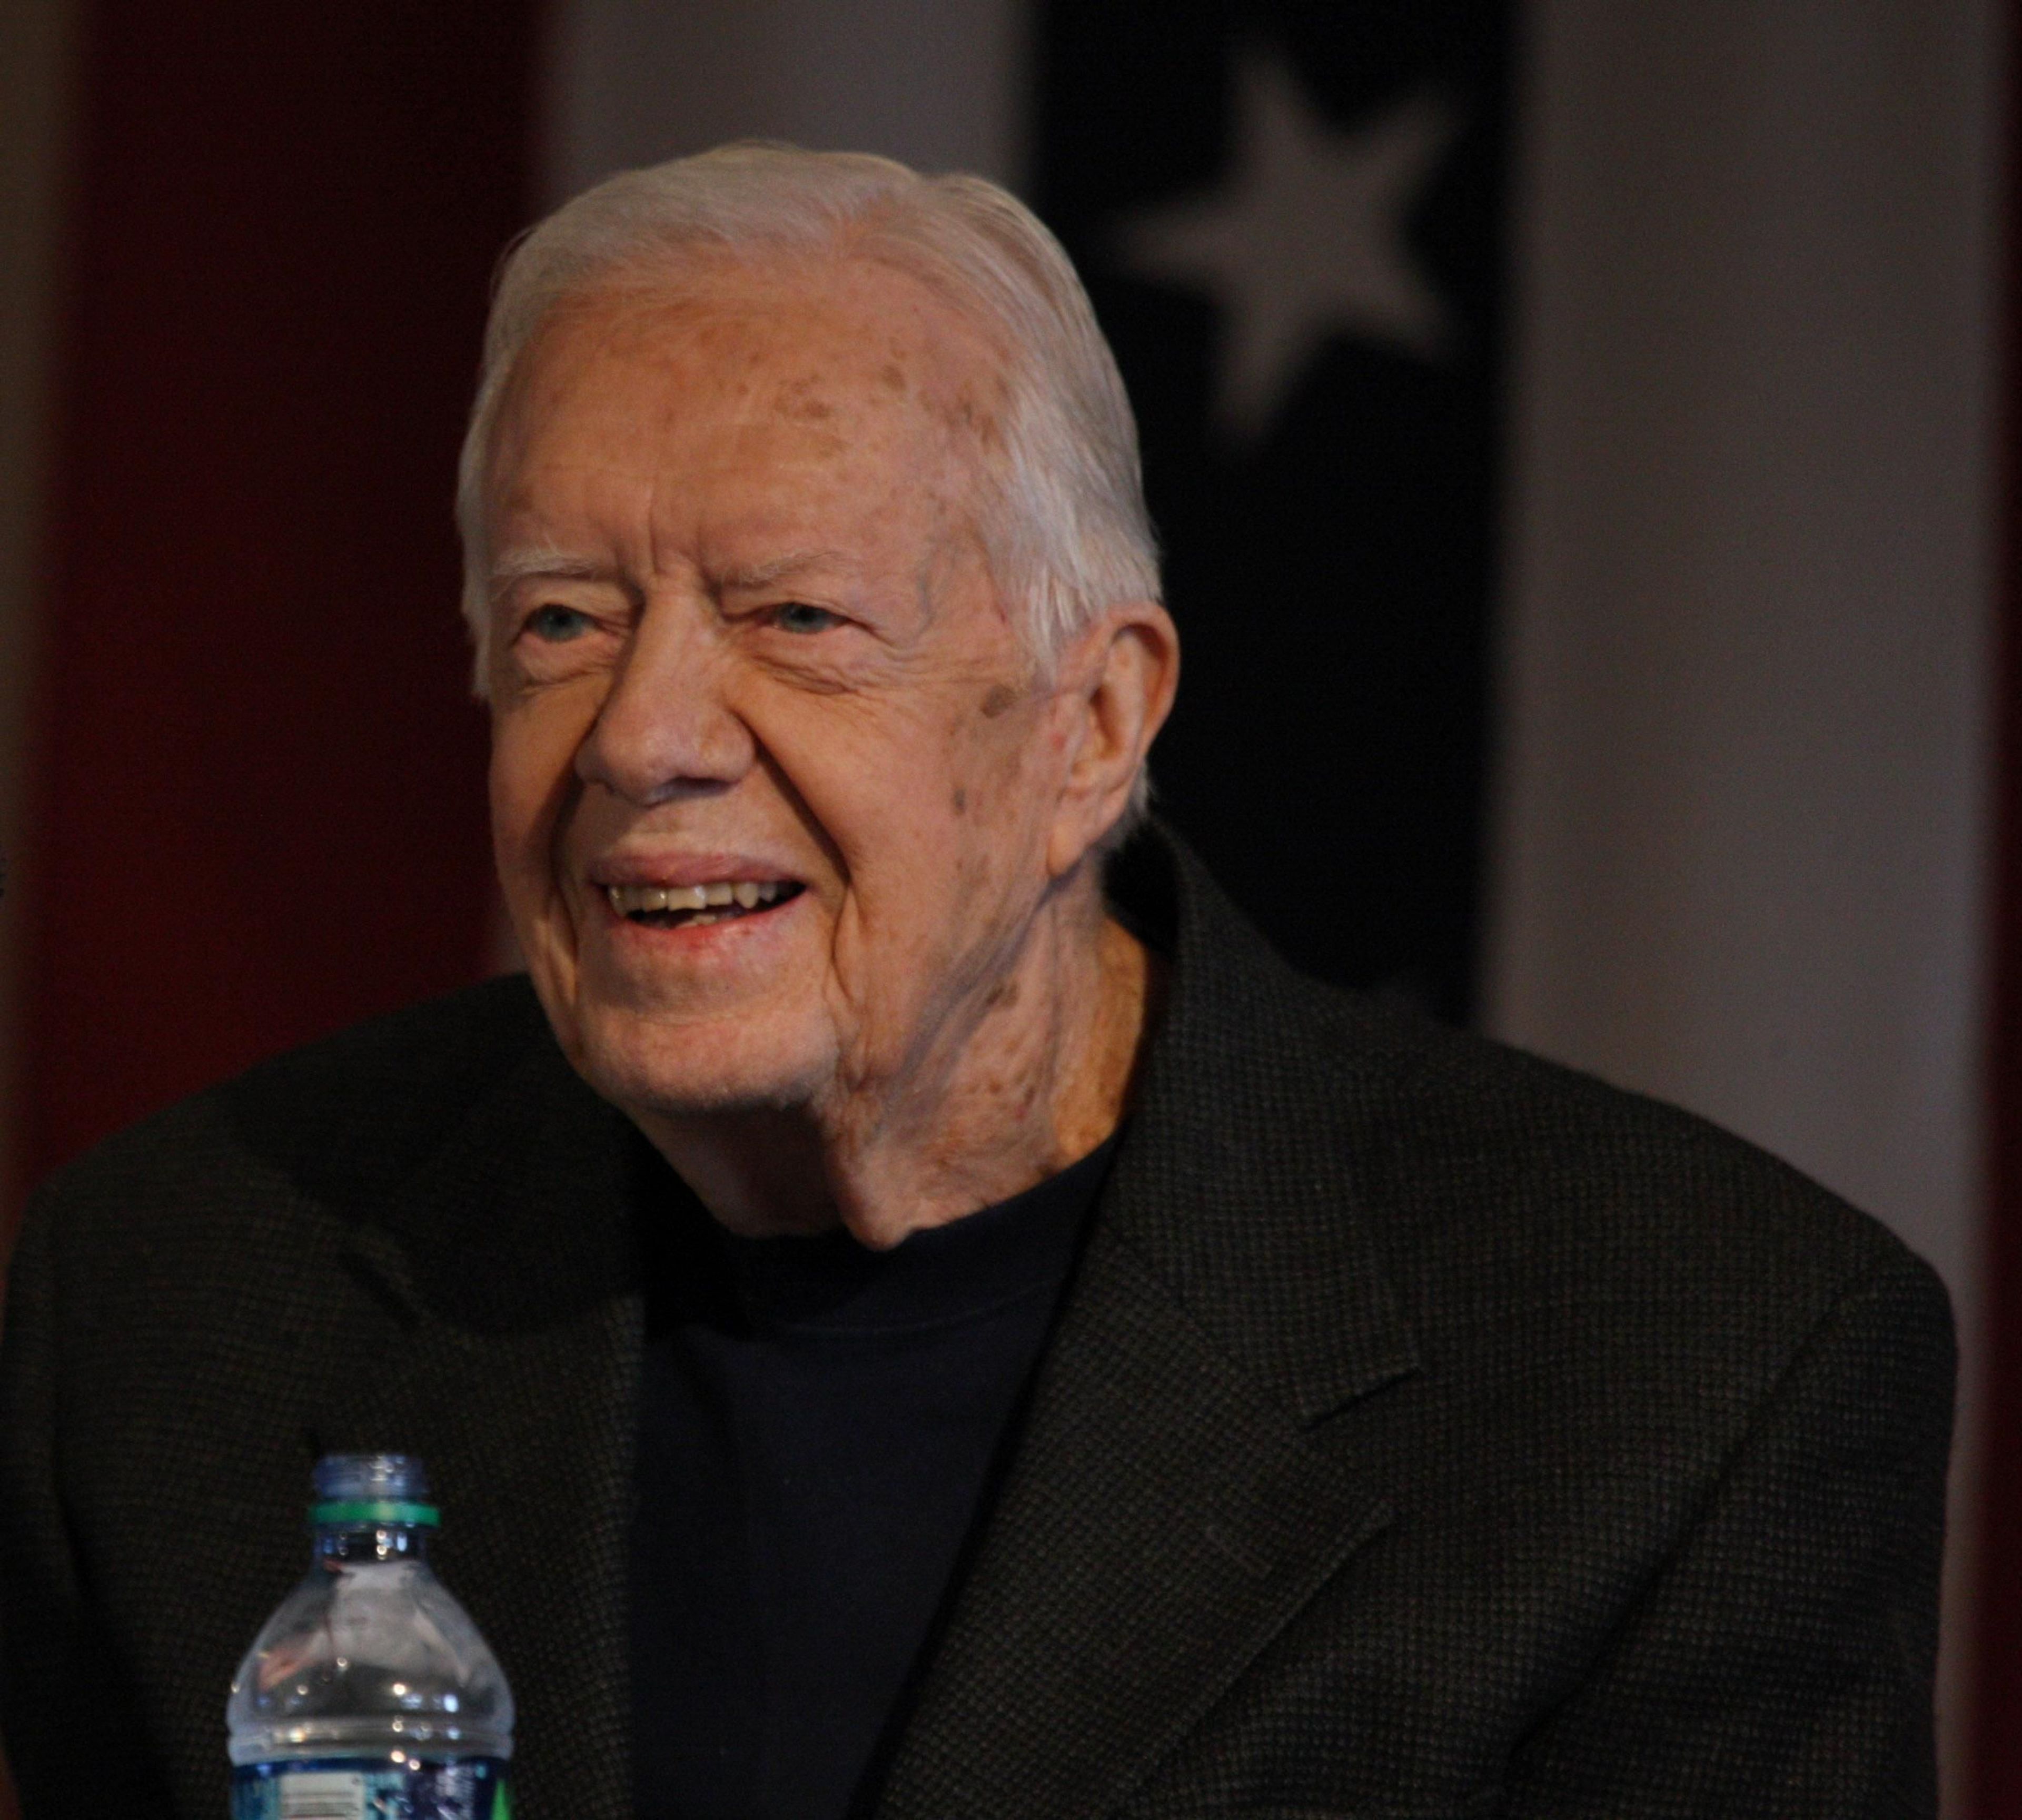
pixel 748 893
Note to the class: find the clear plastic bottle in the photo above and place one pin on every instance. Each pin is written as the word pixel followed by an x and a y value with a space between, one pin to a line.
pixel 369 1694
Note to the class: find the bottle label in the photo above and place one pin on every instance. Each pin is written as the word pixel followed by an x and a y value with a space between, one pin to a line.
pixel 348 1788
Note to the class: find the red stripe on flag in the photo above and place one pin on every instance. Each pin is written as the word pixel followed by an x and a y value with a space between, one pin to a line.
pixel 257 808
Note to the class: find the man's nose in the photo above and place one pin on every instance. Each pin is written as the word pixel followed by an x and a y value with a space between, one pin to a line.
pixel 665 726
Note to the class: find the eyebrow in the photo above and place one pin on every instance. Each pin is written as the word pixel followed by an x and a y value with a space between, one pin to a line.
pixel 541 563
pixel 765 574
pixel 546 565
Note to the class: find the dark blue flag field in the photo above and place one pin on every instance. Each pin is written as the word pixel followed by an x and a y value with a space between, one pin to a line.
pixel 1290 217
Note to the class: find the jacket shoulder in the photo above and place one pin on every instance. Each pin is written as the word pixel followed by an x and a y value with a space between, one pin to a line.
pixel 338 1118
pixel 1517 1177
pixel 1488 1180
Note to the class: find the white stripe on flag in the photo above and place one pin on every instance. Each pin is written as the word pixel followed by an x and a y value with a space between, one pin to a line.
pixel 1742 823
pixel 939 83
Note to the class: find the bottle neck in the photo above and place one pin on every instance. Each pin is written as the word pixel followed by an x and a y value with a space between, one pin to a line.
pixel 365 1544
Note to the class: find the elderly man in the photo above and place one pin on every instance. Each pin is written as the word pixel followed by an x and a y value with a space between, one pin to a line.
pixel 911 1308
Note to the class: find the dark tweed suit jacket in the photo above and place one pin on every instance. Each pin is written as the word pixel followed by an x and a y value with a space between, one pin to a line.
pixel 1427 1431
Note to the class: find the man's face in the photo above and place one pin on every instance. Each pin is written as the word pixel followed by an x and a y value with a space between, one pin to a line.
pixel 745 641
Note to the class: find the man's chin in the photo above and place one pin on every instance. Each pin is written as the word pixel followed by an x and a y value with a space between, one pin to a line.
pixel 650 1071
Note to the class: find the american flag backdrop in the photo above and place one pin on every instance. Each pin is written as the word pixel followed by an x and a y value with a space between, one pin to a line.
pixel 1580 436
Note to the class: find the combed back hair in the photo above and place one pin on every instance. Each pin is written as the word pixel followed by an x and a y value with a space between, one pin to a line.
pixel 1059 505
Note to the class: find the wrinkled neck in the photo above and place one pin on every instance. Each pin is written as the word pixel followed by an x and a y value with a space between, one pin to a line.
pixel 1025 1098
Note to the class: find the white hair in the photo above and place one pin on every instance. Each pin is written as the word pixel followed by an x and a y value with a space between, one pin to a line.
pixel 1059 506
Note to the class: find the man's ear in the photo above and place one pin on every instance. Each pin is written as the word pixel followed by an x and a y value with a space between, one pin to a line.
pixel 1115 683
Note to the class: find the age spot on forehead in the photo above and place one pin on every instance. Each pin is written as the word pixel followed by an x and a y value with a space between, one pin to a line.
pixel 1000 697
pixel 961 800
pixel 798 400
pixel 967 416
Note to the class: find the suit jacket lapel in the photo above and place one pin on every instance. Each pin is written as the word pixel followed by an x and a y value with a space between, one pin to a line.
pixel 1168 1510
pixel 1137 1562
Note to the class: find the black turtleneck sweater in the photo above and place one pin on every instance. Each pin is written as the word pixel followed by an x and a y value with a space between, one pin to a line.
pixel 818 1429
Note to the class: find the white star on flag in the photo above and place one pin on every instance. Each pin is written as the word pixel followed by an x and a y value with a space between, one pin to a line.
pixel 1304 238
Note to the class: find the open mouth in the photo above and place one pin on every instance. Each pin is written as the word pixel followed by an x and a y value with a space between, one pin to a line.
pixel 693 906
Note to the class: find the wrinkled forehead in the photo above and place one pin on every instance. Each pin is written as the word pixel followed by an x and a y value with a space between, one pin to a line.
pixel 832 342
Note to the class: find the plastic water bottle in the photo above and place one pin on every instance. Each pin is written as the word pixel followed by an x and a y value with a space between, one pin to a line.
pixel 370 1695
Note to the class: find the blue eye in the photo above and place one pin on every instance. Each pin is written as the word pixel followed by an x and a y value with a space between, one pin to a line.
pixel 557 625
pixel 797 616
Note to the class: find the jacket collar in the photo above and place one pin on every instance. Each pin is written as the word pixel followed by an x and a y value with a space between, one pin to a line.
pixel 1239 1181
